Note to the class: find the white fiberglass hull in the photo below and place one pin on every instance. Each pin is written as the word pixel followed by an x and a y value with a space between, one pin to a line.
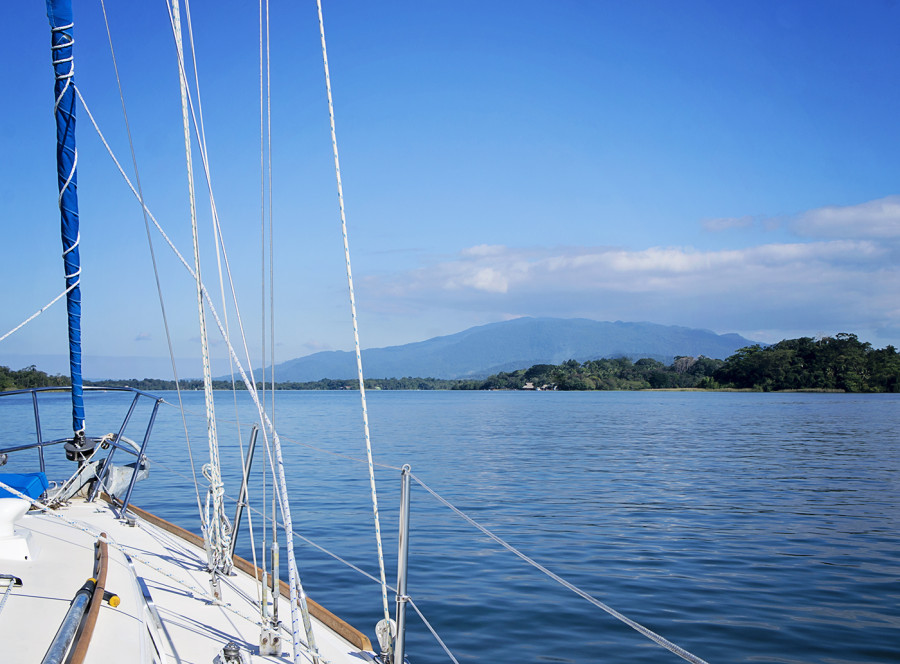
pixel 165 614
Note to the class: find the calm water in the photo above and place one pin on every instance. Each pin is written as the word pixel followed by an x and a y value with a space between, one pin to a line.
pixel 744 527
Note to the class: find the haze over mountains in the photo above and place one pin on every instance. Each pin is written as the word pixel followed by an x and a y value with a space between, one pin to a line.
pixel 516 344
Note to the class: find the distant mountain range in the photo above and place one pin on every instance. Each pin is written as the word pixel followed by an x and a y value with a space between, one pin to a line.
pixel 516 344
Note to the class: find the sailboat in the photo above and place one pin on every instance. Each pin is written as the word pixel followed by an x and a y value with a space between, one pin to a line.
pixel 85 574
pixel 88 576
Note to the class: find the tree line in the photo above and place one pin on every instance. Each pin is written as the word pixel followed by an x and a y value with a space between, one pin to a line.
pixel 29 377
pixel 610 374
pixel 839 363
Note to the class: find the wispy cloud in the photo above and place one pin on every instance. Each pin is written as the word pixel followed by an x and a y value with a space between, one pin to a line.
pixel 727 223
pixel 143 336
pixel 874 219
pixel 315 346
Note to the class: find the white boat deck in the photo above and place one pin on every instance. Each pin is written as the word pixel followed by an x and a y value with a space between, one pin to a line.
pixel 165 614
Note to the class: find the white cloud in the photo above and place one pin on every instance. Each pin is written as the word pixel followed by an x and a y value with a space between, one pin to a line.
pixel 727 223
pixel 874 219
pixel 602 268
pixel 484 278
pixel 484 250
pixel 844 278
pixel 835 285
pixel 314 346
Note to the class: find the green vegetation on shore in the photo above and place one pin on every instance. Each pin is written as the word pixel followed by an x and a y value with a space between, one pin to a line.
pixel 25 379
pixel 839 363
pixel 610 374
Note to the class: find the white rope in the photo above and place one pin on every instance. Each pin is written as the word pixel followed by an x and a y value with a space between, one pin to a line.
pixel 359 369
pixel 215 525
pixel 373 579
pixel 296 584
pixel 68 76
pixel 40 311
pixel 335 556
pixel 271 220
pixel 219 241
pixel 134 191
pixel 262 318
pixel 74 244
pixel 165 236
pixel 140 195
pixel 292 568
pixel 262 211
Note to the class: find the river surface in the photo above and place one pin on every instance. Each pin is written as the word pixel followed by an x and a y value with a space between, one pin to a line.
pixel 744 527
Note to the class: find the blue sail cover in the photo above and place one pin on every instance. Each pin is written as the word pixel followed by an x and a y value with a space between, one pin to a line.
pixel 61 28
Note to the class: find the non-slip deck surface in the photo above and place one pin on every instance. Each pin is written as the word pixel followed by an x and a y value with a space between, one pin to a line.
pixel 193 630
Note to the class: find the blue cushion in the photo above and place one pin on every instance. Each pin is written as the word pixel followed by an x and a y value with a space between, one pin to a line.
pixel 31 484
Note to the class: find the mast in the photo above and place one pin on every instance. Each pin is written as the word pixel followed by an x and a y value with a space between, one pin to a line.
pixel 61 30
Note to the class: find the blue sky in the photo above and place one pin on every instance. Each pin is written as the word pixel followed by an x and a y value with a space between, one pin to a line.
pixel 730 166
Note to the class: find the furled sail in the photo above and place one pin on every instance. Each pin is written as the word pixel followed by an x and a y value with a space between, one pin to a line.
pixel 61 28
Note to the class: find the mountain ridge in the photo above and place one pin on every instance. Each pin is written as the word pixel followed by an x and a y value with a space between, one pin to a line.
pixel 480 351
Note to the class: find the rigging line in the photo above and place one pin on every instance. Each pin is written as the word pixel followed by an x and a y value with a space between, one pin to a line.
pixel 359 369
pixel 219 242
pixel 251 388
pixel 265 529
pixel 160 229
pixel 266 520
pixel 271 219
pixel 112 155
pixel 201 133
pixel 650 634
pixel 432 630
pixel 298 596
pixel 39 311
pixel 262 212
pixel 321 548
pixel 245 483
pixel 212 527
pixel 372 578
pixel 178 254
pixel 162 306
